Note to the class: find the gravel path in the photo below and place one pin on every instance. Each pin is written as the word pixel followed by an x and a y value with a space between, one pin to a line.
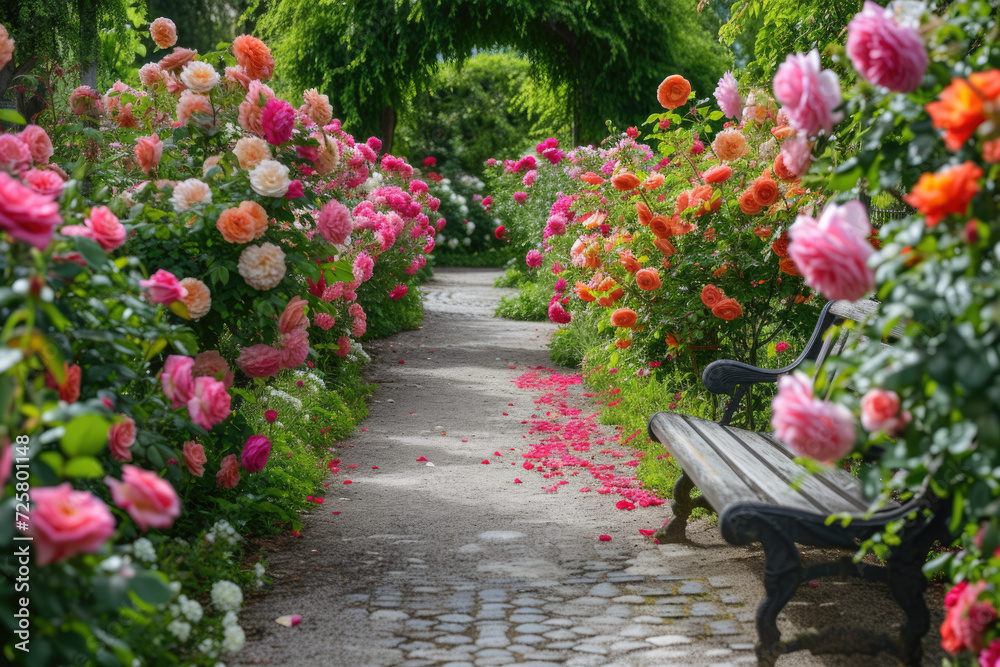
pixel 454 564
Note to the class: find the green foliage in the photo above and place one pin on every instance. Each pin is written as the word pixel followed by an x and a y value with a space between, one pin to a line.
pixel 530 304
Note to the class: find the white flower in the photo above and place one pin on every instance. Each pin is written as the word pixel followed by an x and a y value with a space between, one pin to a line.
pixel 229 619
pixel 175 587
pixel 207 646
pixel 452 243
pixel 463 209
pixel 179 629
pixel 466 241
pixel 259 569
pixel 191 609
pixel 251 151
pixel 190 192
pixel 143 550
pixel 233 639
pixel 199 76
pixel 469 228
pixel 226 596
pixel 270 178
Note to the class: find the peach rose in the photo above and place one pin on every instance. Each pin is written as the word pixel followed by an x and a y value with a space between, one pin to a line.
pixel 164 32
pixel 881 411
pixel 254 57
pixel 65 523
pixel 748 203
pixel 148 151
pixel 242 224
pixel 647 279
pixel 125 117
pixel 191 103
pixel 624 318
pixel 729 145
pixel 263 266
pixel 653 182
pixel 628 260
pixel 38 143
pixel 809 426
pixel 328 155
pixel 148 499
pixel 720 173
pixel 317 107
pixel 591 178
pixel 645 215
pixel 625 182
pixel 238 75
pixel 711 296
pixel 270 179
pixel 727 309
pixel 229 473
pixel 293 317
pixel 121 437
pixel 199 76
pixel 211 364
pixel 194 458
pixel 6 47
pixel 189 193
pixel 673 91
pixel 250 151
pixel 150 74
pixel 198 300
pixel 176 59
pixel 210 161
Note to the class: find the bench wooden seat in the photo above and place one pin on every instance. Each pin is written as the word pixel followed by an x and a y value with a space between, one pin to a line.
pixel 762 495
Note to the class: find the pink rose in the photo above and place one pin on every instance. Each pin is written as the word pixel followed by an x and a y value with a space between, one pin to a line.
pixel 294 350
pixel 808 94
pixel 990 657
pixel 15 156
pixel 832 252
pixel 727 94
pixel 65 522
pixel 969 618
pixel 398 292
pixel 209 405
pixel 194 458
pixel 270 416
pixel 105 228
pixel 558 314
pixel 259 361
pixel 885 52
pixel 211 364
pixel 121 437
pixel 164 287
pixel 229 473
pixel 44 182
pixel 954 593
pixel 148 499
pixel 38 143
pixel 520 197
pixel 363 266
pixel 334 222
pixel 148 151
pixel 533 259
pixel 255 453
pixel 294 190
pixel 809 426
pixel 796 154
pixel 278 119
pixel 177 380
pixel 26 215
pixel 880 411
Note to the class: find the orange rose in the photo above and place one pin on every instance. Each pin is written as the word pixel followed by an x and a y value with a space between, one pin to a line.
pixel 787 265
pixel 683 201
pixel 701 197
pixel 592 178
pixel 624 318
pixel 679 227
pixel 645 215
pixel 799 298
pixel 254 57
pixel 612 298
pixel 628 260
pixel 991 151
pixel 665 246
pixel 947 191
pixel 671 340
pixel 673 91
pixel 719 271
pixel 625 182
pixel 607 285
pixel 783 132
pixel 727 309
pixel 960 108
pixel 198 300
pixel 623 343
pixel 584 292
pixel 653 182
pixel 661 227
pixel 781 171
pixel 709 234
pixel 717 174
pixel 763 233
pixel 780 245
pixel 665 263
pixel 765 190
pixel 243 224
pixel 711 296
pixel 748 203
pixel 647 279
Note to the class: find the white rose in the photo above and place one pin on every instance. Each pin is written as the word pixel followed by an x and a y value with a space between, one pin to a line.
pixel 190 192
pixel 199 76
pixel 270 178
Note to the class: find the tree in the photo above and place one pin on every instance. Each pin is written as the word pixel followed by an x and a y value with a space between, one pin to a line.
pixel 372 55
pixel 201 24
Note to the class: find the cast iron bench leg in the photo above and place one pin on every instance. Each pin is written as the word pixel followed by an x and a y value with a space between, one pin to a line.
pixel 681 506
pixel 907 584
pixel 782 575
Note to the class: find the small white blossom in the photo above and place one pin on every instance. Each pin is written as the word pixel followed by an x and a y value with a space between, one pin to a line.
pixel 179 629
pixel 144 550
pixel 175 587
pixel 226 596
pixel 191 609
pixel 233 639
pixel 259 569
pixel 207 646
pixel 229 619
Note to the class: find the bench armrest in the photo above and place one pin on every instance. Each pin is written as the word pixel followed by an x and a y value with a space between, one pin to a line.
pixel 723 376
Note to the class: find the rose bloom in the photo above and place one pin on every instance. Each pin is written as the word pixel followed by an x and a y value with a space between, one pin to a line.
pixel 363 267
pixel 293 317
pixel 194 458
pixel 647 279
pixel 192 103
pixel 150 74
pixel 85 101
pixel 947 191
pixel 884 52
pixel 558 314
pixel 727 94
pixel 255 453
pixel 880 411
pixel 121 437
pixel 176 59
pixel 148 151
pixel 809 426
pixel 808 94
pixel 328 153
pixel 69 390
pixel 317 107
pixel 278 120
pixel 625 258
pixel 101 226
pixel 229 473
pixel 64 523
pixel 15 156
pixel 173 85
pixel 727 309
pixel 765 190
pixel 6 47
pixel 781 171
pixel 398 292
pixel 163 287
pixel 259 361
pixel 38 143
pixel 333 222
pixel 645 215
pixel 177 380
pixel 591 178
pixel 711 296
pixel 250 151
pixel 654 181
pixel 254 57
pixel 796 155
pixel 533 259
pixel 832 252
pixel 729 145
pixel 209 404
pixel 625 182
pixel 673 91
pixel 164 32
pixel 720 173
pixel 238 75
pixel 968 620
pixel 263 266
pixel 324 321
pixel 189 193
pixel 199 76
pixel 624 318
pixel 788 265
pixel 270 178
pixel 198 299
pixel 125 117
pixel 961 106
pixel 242 224
pixel 990 657
pixel 44 182
pixel 148 499
pixel 211 364
pixel 343 346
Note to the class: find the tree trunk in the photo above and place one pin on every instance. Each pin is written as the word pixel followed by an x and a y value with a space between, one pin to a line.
pixel 87 10
pixel 388 127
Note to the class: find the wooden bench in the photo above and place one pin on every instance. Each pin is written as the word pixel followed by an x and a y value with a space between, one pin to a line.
pixel 761 495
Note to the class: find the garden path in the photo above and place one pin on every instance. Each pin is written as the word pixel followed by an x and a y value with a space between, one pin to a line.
pixel 455 564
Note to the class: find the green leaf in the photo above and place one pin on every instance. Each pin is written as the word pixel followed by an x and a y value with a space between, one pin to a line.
pixel 715 115
pixel 221 46
pixel 86 435
pixel 83 466
pixel 11 116
pixel 151 588
pixel 92 252
pixel 53 460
